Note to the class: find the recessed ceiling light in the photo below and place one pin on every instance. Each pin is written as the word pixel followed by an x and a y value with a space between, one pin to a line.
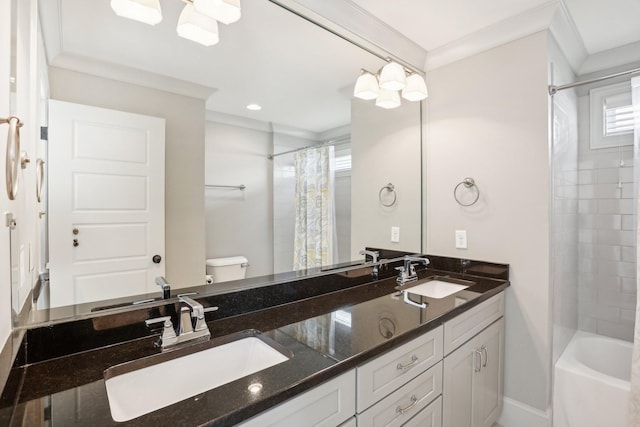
pixel 254 107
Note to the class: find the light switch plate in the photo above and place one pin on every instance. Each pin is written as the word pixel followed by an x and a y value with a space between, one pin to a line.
pixel 461 239
pixel 395 234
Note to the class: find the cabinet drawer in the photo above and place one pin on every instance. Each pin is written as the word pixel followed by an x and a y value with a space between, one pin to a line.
pixel 327 405
pixel 461 328
pixel 383 375
pixel 431 416
pixel 404 403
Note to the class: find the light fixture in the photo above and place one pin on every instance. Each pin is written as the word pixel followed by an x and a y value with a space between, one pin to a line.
pixel 393 77
pixel 225 11
pixel 253 107
pixel 416 89
pixel 147 11
pixel 366 86
pixel 385 86
pixel 198 21
pixel 197 27
pixel 388 99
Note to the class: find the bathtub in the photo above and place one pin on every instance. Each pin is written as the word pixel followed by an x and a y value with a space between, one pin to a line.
pixel 592 382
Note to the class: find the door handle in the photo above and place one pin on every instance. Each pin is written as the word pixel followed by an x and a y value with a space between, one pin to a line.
pixel 477 366
pixel 486 356
pixel 156 259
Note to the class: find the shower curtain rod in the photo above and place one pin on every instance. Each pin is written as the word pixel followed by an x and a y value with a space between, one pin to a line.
pixel 322 144
pixel 554 89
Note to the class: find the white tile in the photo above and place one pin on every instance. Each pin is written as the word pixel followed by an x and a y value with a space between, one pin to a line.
pixel 628 222
pixel 615 330
pixel 608 175
pixel 615 206
pixel 588 206
pixel 628 285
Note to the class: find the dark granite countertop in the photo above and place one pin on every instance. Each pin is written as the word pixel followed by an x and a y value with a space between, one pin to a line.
pixel 327 334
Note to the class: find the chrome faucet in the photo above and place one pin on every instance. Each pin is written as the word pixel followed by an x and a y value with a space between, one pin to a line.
pixel 165 286
pixel 374 255
pixel 407 273
pixel 186 330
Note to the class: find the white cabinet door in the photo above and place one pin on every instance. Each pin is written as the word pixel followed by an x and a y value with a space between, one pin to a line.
pixel 457 386
pixel 327 405
pixel 473 377
pixel 488 391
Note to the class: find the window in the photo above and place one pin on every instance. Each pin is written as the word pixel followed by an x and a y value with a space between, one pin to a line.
pixel 611 116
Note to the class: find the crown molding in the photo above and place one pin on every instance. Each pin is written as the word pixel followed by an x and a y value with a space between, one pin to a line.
pixel 131 75
pixel 612 58
pixel 522 25
pixel 565 33
pixel 349 21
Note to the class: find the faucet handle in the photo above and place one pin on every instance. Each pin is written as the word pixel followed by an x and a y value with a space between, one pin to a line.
pixel 168 333
pixel 163 319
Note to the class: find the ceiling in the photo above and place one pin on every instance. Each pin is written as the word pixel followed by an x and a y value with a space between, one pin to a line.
pixel 302 75
pixel 601 24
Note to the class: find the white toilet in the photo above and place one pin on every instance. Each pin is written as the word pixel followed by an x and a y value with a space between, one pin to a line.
pixel 225 269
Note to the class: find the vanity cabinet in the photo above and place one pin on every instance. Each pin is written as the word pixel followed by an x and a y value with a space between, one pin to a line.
pixel 450 376
pixel 473 372
pixel 326 405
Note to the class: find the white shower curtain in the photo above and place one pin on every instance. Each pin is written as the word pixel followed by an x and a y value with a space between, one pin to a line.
pixel 315 231
pixel 634 403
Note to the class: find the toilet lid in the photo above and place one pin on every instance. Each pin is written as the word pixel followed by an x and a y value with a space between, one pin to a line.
pixel 222 262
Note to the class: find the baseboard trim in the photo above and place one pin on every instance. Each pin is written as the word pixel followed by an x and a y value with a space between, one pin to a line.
pixel 517 414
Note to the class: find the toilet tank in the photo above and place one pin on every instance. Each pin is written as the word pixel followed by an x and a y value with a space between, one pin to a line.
pixel 225 269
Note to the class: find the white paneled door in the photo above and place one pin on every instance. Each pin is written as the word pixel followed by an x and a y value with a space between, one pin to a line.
pixel 106 203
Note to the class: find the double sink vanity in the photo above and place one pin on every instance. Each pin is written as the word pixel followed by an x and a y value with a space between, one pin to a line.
pixel 352 347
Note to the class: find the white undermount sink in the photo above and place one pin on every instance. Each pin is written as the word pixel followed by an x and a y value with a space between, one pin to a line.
pixel 436 289
pixel 137 388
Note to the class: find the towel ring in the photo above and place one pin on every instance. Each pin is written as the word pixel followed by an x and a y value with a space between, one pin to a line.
pixel 468 183
pixel 390 189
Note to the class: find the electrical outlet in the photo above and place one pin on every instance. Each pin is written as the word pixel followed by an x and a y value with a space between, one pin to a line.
pixel 461 239
pixel 395 234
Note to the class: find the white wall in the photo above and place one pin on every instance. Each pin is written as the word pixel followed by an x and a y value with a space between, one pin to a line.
pixel 184 170
pixel 239 222
pixel 488 119
pixel 385 145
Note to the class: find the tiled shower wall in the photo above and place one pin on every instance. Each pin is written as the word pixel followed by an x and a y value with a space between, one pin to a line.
pixel 607 240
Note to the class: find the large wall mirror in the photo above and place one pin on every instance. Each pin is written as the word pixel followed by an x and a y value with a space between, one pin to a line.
pixel 228 172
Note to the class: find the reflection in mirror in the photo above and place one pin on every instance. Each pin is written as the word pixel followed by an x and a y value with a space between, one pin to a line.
pixel 300 74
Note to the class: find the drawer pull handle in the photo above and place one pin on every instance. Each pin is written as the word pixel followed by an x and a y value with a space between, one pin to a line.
pixel 477 354
pixel 401 411
pixel 486 356
pixel 414 360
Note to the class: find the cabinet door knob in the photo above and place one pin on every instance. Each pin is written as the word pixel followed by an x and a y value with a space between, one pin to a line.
pixel 75 231
pixel 156 259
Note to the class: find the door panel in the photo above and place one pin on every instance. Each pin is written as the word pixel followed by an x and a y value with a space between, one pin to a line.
pixel 106 205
